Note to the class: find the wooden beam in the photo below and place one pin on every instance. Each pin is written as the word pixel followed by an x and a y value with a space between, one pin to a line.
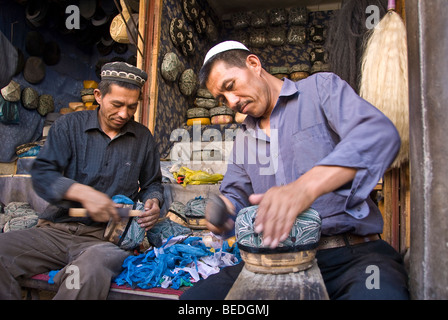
pixel 151 25
pixel 405 207
pixel 142 12
pixel 153 54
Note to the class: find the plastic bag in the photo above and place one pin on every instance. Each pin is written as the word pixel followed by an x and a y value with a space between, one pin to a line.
pixel 196 177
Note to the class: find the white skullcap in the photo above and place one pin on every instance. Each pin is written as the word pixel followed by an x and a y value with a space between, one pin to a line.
pixel 224 46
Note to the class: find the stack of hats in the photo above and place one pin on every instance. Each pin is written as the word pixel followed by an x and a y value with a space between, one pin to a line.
pixel 221 115
pixel 279 72
pixel 299 71
pixel 73 106
pixel 201 111
pixel 198 115
pixel 87 96
pixel 88 99
pixel 208 110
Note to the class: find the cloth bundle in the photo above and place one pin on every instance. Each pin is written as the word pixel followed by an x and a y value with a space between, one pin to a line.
pixel 176 264
pixel 127 234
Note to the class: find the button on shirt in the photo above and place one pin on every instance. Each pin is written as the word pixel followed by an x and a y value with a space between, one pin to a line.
pixel 317 121
pixel 77 150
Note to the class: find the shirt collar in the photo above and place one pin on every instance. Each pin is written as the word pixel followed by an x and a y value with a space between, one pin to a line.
pixel 93 123
pixel 288 89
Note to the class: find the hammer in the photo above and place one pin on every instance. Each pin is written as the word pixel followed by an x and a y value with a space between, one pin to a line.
pixel 122 212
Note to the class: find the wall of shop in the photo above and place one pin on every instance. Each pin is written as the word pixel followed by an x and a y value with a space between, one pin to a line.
pixel 172 105
pixel 79 60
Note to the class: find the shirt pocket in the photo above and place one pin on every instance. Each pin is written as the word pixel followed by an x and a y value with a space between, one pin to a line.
pixel 311 145
pixel 129 173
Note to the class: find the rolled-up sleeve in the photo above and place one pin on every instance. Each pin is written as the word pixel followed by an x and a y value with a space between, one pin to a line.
pixel 368 142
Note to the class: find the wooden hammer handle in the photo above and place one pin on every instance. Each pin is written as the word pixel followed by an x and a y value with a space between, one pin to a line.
pixel 81 213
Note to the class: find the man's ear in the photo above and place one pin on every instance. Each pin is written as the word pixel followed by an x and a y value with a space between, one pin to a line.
pixel 253 62
pixel 98 97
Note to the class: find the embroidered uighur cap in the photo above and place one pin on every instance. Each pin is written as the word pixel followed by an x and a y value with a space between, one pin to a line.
pixel 224 46
pixel 122 71
pixel 304 234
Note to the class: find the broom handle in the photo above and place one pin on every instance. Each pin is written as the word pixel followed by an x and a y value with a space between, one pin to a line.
pixel 391 5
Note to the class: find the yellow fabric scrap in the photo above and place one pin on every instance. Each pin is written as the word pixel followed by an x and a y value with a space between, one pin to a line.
pixel 196 177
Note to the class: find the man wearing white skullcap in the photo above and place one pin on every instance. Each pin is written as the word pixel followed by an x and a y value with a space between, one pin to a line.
pixel 224 46
pixel 326 149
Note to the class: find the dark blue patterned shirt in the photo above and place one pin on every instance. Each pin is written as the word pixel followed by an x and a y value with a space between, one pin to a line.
pixel 77 150
pixel 317 121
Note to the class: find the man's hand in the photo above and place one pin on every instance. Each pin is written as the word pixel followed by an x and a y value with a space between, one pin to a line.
pixel 228 225
pixel 280 206
pixel 150 216
pixel 277 211
pixel 99 206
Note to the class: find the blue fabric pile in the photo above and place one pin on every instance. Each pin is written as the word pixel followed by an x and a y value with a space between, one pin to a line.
pixel 151 269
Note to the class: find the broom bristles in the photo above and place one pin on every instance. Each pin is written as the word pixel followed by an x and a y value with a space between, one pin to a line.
pixel 384 76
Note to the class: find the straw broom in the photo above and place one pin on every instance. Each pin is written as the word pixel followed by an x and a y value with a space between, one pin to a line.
pixel 384 75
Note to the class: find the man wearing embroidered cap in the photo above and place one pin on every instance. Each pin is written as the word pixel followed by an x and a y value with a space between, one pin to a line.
pixel 327 148
pixel 88 158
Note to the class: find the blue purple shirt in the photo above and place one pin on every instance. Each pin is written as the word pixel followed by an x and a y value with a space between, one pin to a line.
pixel 319 120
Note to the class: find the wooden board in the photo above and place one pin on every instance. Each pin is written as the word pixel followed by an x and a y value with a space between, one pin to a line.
pixel 303 285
